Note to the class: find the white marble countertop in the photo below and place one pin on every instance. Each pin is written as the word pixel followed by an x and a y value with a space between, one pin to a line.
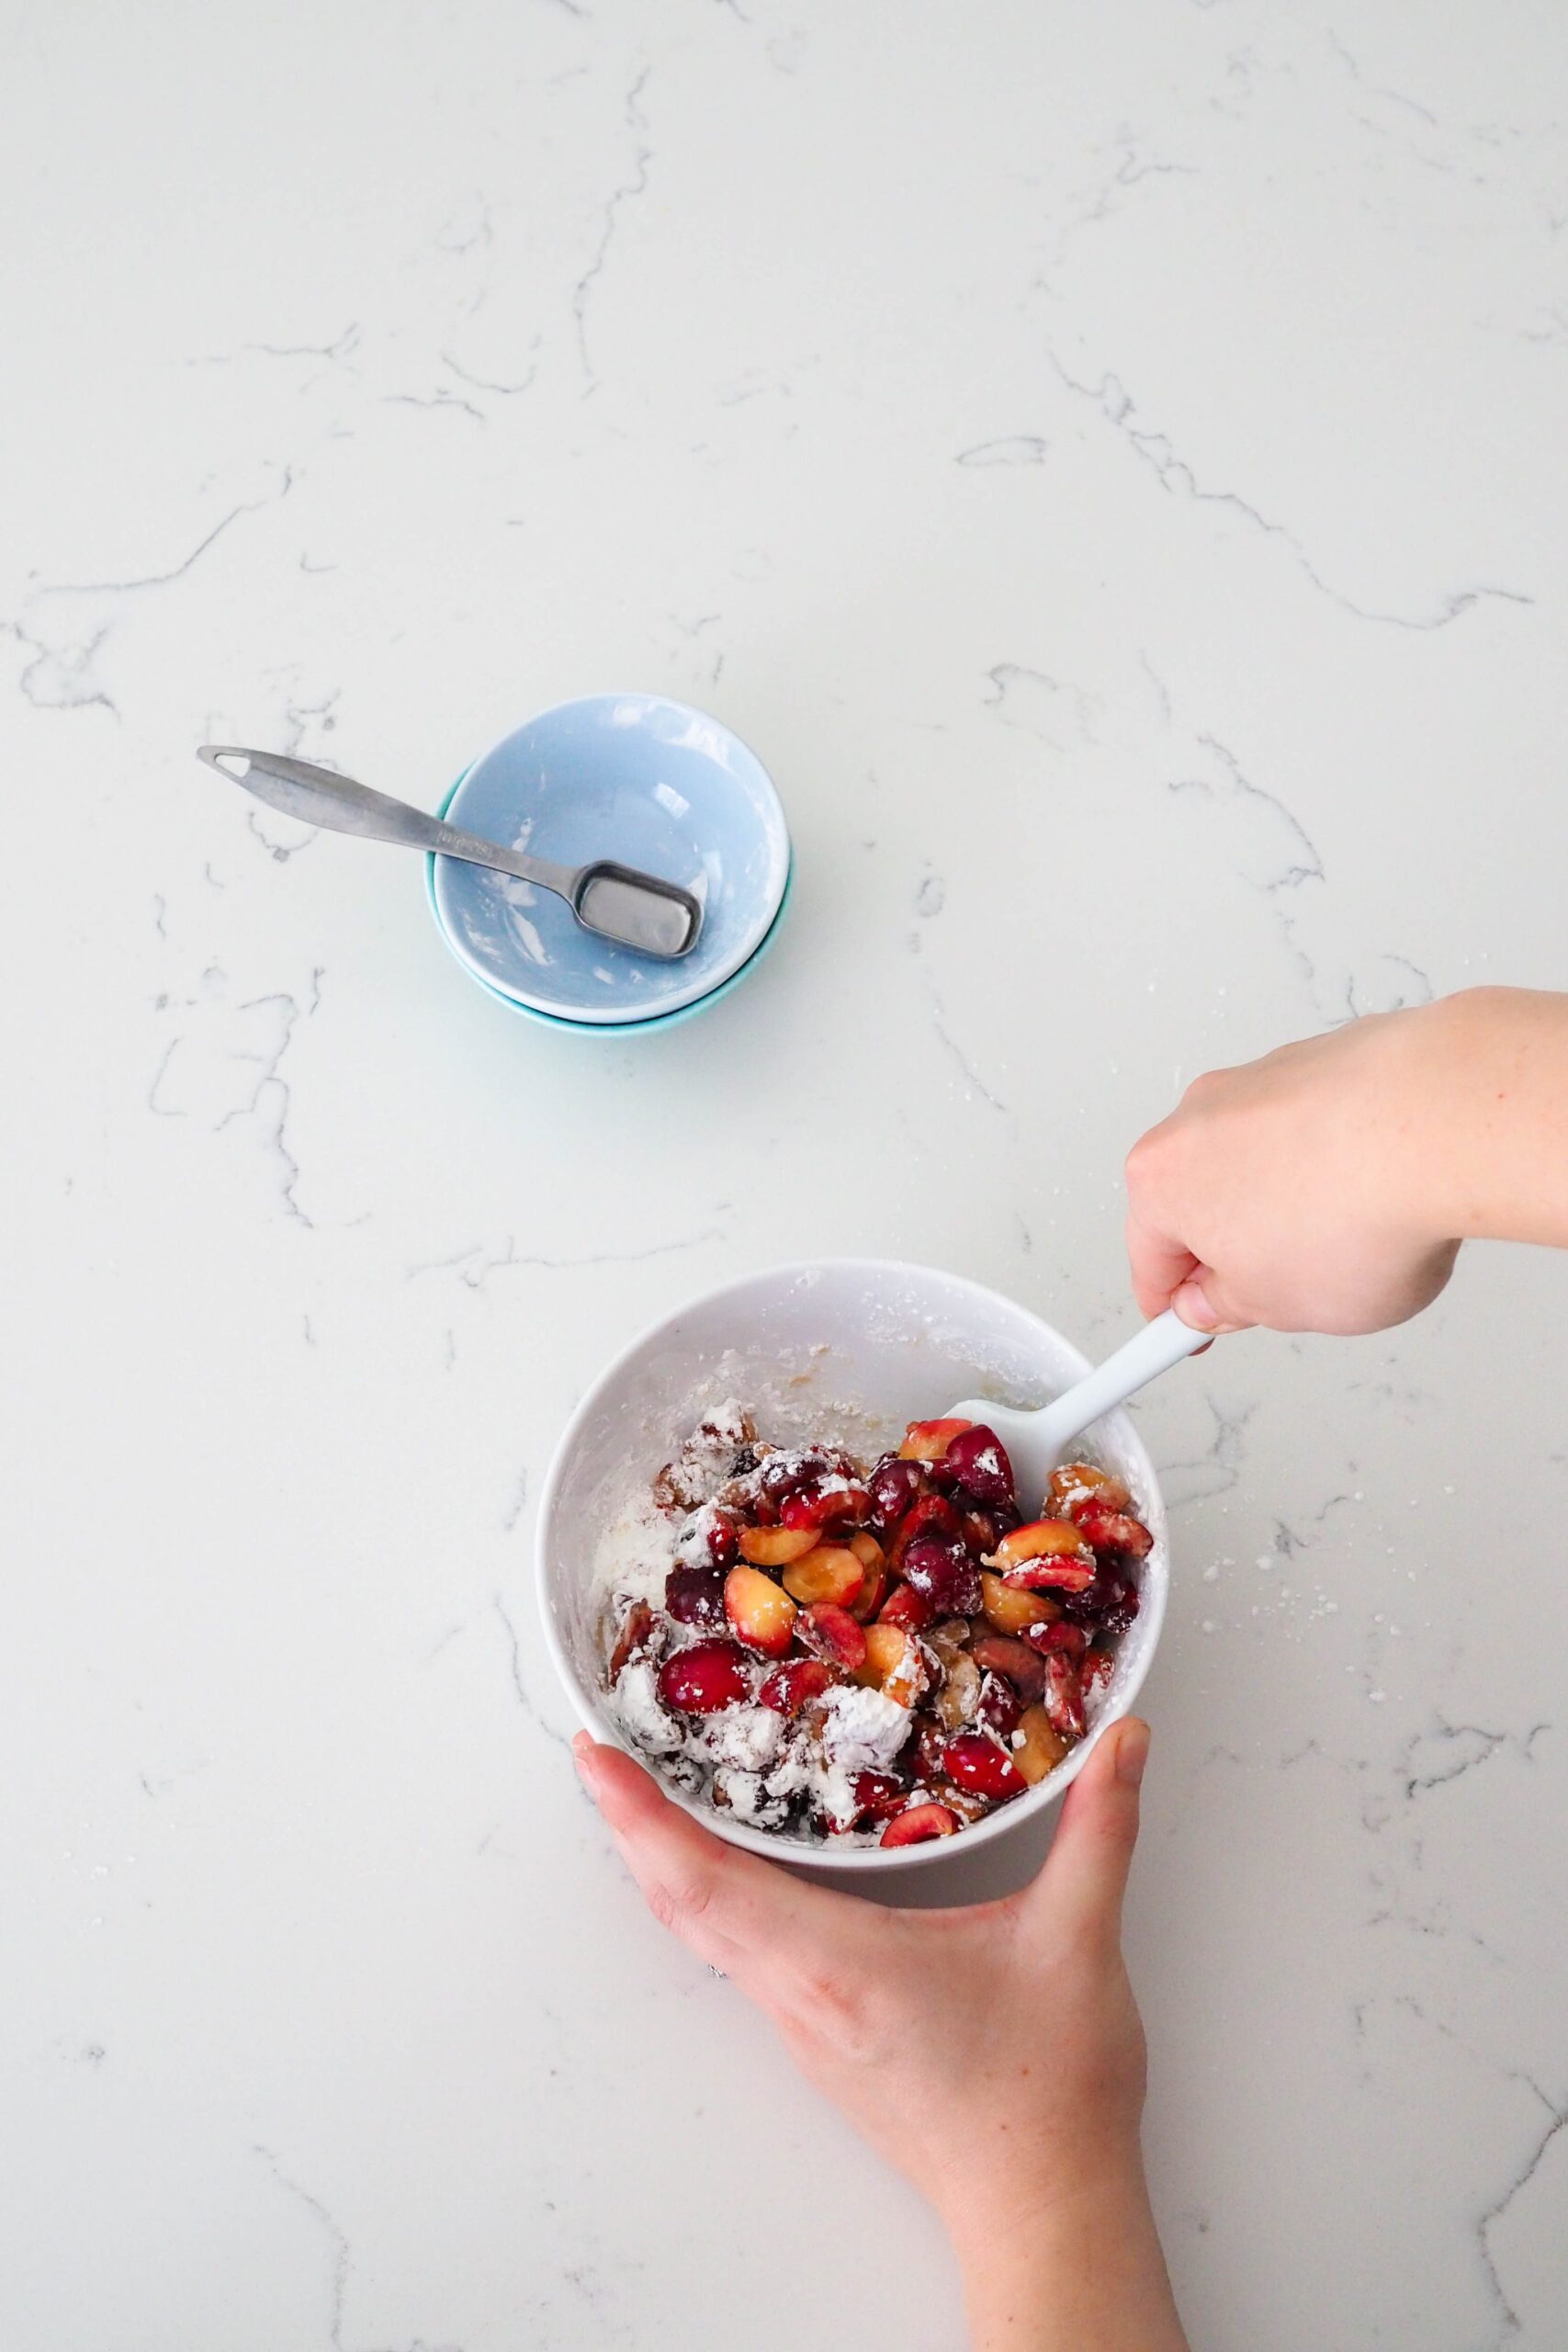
pixel 1108 461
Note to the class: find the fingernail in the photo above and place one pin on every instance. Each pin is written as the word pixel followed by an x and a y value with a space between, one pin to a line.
pixel 582 1756
pixel 1132 1751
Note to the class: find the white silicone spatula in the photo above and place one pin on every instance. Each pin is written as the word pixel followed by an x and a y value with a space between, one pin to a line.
pixel 1036 1442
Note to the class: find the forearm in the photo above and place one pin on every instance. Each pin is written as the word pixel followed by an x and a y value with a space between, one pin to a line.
pixel 1089 2273
pixel 1492 1139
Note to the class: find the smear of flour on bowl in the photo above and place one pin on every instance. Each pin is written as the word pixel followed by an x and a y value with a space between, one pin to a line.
pixel 515 895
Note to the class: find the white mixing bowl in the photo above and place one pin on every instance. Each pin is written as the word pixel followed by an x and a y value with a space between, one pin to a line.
pixel 858 1345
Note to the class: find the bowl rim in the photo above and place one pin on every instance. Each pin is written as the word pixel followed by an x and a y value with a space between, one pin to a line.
pixel 752 939
pixel 559 1021
pixel 769 1843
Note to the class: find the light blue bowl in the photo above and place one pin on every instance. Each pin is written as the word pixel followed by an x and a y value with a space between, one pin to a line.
pixel 610 1029
pixel 635 777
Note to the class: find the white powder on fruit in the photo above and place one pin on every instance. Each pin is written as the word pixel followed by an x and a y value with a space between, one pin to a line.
pixel 744 1793
pixel 636 1701
pixel 636 1553
pixel 746 1738
pixel 862 1730
pixel 754 1761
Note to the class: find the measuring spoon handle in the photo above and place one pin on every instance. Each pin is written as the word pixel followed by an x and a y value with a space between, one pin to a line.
pixel 316 796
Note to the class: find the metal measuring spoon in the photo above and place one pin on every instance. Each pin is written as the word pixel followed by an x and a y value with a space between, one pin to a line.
pixel 640 910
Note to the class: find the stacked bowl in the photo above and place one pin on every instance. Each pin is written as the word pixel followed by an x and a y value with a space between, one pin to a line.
pixel 639 778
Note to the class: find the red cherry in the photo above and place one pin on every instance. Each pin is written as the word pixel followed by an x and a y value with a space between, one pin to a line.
pixel 1109 1604
pixel 833 1632
pixel 998 1707
pixel 1070 1639
pixel 918 1823
pixel 942 1571
pixel 979 1460
pixel 708 1676
pixel 906 1607
pixel 976 1762
pixel 1096 1671
pixel 782 1475
pixel 1112 1531
pixel 1001 1654
pixel 923 1753
pixel 789 1686
pixel 723 1540
pixel 931 1515
pixel 878 1795
pixel 815 1506
pixel 1064 1697
pixel 635 1627
pixel 893 1486
pixel 695 1596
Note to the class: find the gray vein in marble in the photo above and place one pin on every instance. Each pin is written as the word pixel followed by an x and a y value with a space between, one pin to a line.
pixel 519 1686
pixel 340 349
pixel 1460 1749
pixel 1378 89
pixel 474 1277
pixel 1161 689
pixel 487 383
pixel 1116 405
pixel 1556 2118
pixel 1219 1464
pixel 62 677
pixel 451 239
pixel 161 1110
pixel 163 579
pixel 514 1509
pixel 1129 170
pixel 1284 873
pixel 341 2267
pixel 628 191
pixel 1015 449
pixel 272 1091
pixel 693 629
pixel 1493 2214
pixel 281 852
pixel 1360 996
pixel 434 400
pixel 1016 689
pixel 971 1075
pixel 1307 867
pixel 342 2262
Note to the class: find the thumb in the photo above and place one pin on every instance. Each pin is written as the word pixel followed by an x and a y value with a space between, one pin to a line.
pixel 746 1917
pixel 1085 1875
pixel 1201 1304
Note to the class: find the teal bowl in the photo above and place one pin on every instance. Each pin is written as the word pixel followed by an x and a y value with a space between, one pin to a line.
pixel 610 1029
